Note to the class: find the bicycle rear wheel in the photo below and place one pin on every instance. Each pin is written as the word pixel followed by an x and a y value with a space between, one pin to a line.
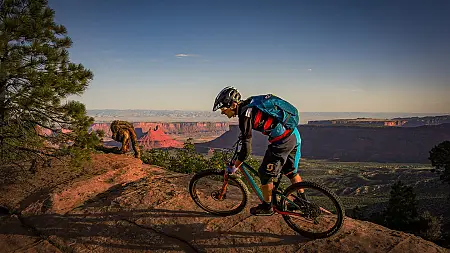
pixel 320 215
pixel 212 193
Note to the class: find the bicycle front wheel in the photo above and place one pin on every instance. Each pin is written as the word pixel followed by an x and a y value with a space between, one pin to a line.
pixel 214 194
pixel 318 214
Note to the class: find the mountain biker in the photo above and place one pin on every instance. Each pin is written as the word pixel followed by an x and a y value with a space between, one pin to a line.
pixel 282 154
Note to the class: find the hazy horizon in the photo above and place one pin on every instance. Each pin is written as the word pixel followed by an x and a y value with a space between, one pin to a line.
pixel 102 116
pixel 183 110
pixel 322 56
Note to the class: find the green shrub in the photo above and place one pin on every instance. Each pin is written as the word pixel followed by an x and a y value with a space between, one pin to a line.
pixel 429 226
pixel 187 160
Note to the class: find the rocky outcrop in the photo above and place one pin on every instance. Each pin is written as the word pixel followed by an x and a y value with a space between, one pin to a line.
pixel 133 207
pixel 356 144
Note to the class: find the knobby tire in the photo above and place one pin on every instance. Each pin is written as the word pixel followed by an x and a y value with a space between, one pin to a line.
pixel 238 182
pixel 340 211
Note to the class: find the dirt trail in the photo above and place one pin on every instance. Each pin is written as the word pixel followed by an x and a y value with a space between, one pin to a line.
pixel 140 208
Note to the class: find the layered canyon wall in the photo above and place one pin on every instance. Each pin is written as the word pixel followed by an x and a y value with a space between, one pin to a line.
pixel 172 128
pixel 356 144
pixel 395 122
pixel 162 134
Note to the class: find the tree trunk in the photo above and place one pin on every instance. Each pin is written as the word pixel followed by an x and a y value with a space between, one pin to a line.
pixel 2 115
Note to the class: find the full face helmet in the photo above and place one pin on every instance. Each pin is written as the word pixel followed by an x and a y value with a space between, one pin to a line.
pixel 226 97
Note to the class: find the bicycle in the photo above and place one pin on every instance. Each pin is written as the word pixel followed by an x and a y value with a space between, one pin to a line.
pixel 286 202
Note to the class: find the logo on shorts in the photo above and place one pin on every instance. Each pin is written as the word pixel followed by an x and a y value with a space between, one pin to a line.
pixel 270 167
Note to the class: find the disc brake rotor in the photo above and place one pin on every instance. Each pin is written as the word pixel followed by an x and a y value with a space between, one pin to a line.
pixel 215 195
pixel 312 211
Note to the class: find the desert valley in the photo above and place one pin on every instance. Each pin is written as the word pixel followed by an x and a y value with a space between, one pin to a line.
pixel 359 163
pixel 118 121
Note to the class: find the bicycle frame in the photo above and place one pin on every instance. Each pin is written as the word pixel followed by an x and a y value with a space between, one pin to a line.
pixel 246 169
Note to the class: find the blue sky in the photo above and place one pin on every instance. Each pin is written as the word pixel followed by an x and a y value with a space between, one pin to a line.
pixel 323 56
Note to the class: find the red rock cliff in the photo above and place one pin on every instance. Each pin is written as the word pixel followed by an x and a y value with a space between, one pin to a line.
pixel 101 126
pixel 156 138
pixel 199 128
pixel 195 127
pixel 161 134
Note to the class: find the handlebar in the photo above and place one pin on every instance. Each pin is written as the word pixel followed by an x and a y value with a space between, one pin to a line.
pixel 236 150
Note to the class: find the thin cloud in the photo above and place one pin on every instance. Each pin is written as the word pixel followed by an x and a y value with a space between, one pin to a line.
pixel 185 55
pixel 356 89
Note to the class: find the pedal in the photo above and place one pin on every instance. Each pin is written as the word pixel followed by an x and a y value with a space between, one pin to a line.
pixel 263 214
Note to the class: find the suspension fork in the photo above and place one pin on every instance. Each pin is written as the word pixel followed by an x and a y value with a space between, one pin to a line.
pixel 223 190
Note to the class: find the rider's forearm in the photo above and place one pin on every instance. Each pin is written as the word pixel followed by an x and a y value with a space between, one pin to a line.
pixel 246 149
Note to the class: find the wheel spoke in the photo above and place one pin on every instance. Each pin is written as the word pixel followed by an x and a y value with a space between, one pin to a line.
pixel 319 215
pixel 218 194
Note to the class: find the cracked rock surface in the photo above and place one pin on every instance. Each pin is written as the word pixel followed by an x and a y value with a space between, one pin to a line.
pixel 122 205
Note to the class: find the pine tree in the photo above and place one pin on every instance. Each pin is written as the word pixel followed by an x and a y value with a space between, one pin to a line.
pixel 440 159
pixel 36 78
pixel 401 212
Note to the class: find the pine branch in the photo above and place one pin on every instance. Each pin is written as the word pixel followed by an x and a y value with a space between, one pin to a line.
pixel 34 151
pixel 36 76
